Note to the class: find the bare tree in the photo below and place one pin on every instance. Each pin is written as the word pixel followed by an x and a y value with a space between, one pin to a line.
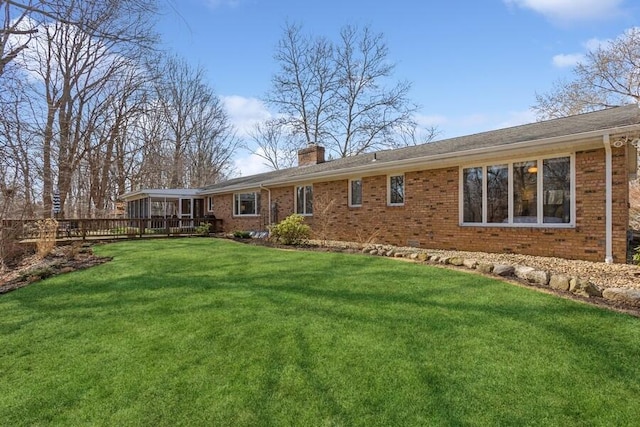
pixel 76 71
pixel 337 93
pixel 304 88
pixel 274 143
pixel 15 33
pixel 371 114
pixel 193 135
pixel 410 134
pixel 108 21
pixel 18 167
pixel 608 76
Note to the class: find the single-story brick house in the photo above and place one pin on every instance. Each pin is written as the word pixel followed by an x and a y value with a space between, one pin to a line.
pixel 553 188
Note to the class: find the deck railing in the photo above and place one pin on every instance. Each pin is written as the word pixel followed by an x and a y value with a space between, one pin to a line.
pixel 104 228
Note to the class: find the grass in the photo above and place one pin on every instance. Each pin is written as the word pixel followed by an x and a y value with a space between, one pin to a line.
pixel 211 332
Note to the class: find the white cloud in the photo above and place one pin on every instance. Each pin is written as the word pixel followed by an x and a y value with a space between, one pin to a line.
pixel 214 4
pixel 244 113
pixel 429 120
pixel 568 11
pixel 594 44
pixel 250 164
pixel 564 60
pixel 567 60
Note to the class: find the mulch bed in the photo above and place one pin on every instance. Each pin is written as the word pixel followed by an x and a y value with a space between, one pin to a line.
pixel 64 259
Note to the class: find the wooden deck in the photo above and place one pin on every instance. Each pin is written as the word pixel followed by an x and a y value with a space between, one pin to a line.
pixel 70 230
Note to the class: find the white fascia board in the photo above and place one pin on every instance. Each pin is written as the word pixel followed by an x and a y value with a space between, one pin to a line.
pixel 564 143
pixel 155 192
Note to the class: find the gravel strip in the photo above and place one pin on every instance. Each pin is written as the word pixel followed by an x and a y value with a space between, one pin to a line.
pixel 602 274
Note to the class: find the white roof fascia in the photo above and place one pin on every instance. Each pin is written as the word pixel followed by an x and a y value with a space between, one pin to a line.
pixel 153 192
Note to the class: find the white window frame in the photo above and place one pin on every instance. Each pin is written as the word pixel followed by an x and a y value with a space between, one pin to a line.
pixel 236 204
pixel 404 187
pixel 295 199
pixel 540 193
pixel 210 204
pixel 351 204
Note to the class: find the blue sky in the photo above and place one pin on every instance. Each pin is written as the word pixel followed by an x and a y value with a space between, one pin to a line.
pixel 475 65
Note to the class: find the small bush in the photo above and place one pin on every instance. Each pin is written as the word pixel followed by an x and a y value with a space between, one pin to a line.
pixel 47 231
pixel 241 234
pixel 291 231
pixel 203 229
pixel 636 255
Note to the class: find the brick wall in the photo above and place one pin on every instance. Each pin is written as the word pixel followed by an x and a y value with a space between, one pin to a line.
pixel 430 219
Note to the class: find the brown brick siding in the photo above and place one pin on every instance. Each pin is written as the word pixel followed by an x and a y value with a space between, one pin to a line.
pixel 430 219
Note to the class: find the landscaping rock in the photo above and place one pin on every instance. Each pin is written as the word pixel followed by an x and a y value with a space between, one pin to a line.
pixel 623 295
pixel 390 253
pixel 559 281
pixel 373 252
pixel 539 277
pixel 444 259
pixel 457 261
pixel 398 255
pixel 413 256
pixel 522 271
pixel 470 263
pixel 422 256
pixel 583 287
pixel 485 267
pixel 503 270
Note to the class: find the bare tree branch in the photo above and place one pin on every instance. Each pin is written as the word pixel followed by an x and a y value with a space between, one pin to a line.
pixel 608 76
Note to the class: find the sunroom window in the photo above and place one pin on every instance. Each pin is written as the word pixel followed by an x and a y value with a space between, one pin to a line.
pixel 530 192
pixel 246 204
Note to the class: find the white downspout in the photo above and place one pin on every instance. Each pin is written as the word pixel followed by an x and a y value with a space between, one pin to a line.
pixel 609 200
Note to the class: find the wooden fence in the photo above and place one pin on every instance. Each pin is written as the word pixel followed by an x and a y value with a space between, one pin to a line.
pixel 106 228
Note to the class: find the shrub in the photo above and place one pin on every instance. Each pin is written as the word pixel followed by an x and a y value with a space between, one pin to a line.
pixel 636 255
pixel 203 229
pixel 241 234
pixel 291 231
pixel 47 231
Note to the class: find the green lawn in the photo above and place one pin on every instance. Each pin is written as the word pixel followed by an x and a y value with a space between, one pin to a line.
pixel 211 332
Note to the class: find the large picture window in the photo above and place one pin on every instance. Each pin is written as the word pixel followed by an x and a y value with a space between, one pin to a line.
pixel 304 200
pixel 396 190
pixel 246 204
pixel 530 192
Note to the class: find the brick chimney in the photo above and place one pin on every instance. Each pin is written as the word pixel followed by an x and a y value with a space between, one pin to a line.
pixel 312 154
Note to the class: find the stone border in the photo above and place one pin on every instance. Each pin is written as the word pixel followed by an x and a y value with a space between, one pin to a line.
pixel 559 282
